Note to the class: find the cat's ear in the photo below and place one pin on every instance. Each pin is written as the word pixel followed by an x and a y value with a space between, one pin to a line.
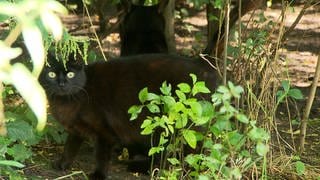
pixel 51 58
pixel 75 60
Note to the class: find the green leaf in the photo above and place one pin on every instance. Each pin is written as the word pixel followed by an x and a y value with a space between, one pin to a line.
pixel 200 120
pixel 235 90
pixel 169 102
pixel 193 77
pixel 203 177
pixel 152 97
pixel 280 95
pixel 184 87
pixel 153 108
pixel 200 87
pixel 295 94
pixel 147 130
pixel 285 85
pixel 193 159
pixel 235 139
pixel 171 128
pixel 154 150
pixel 19 152
pixel 135 110
pixel 163 139
pixel 236 173
pixel 216 98
pixel 218 4
pixel 31 91
pixel 181 95
pixel 258 134
pixel 222 124
pixel 223 90
pixel 195 107
pixel 20 130
pixel 206 115
pixel 165 88
pixel 207 109
pixel 174 161
pixel 262 149
pixel 11 163
pixel 300 168
pixel 242 118
pixel 249 43
pixel 146 123
pixel 181 121
pixel 177 107
pixel 190 137
pixel 143 95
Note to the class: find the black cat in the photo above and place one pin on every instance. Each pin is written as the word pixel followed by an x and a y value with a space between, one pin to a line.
pixel 142 31
pixel 93 100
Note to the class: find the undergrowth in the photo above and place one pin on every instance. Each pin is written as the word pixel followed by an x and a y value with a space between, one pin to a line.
pixel 221 149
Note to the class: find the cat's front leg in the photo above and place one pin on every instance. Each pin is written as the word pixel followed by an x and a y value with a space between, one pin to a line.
pixel 71 149
pixel 103 155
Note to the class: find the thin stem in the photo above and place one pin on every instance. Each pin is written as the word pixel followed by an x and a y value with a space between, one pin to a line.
pixel 3 129
pixel 304 122
pixel 226 32
pixel 297 20
pixel 95 33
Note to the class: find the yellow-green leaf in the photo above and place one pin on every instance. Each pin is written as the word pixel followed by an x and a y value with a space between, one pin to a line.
pixel 31 91
pixel 53 24
pixel 190 137
pixel 33 40
pixel 55 6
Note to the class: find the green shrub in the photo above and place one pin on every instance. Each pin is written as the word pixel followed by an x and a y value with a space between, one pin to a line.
pixel 226 142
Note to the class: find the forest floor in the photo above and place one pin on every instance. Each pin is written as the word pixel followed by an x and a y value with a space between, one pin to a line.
pixel 300 52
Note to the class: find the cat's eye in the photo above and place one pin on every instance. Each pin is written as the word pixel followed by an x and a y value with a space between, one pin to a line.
pixel 70 75
pixel 52 75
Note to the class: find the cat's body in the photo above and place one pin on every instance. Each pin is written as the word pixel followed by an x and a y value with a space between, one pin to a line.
pixel 143 31
pixel 99 108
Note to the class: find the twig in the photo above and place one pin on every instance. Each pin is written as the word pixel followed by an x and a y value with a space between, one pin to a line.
pixel 72 174
pixel 226 32
pixel 297 20
pixel 203 56
pixel 304 121
pixel 3 129
pixel 95 33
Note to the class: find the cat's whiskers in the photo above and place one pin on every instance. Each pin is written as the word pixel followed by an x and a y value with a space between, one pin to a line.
pixel 80 93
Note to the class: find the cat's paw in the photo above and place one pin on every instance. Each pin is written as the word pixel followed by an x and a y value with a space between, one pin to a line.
pixel 97 175
pixel 61 164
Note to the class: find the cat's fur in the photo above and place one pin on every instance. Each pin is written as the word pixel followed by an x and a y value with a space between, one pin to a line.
pixel 95 101
pixel 142 31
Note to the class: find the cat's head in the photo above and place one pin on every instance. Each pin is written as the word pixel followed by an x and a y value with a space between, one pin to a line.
pixel 62 80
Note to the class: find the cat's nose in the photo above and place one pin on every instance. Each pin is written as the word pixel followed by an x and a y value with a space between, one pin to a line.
pixel 61 84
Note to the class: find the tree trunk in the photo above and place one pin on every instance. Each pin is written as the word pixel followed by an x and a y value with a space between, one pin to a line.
pixel 169 27
pixel 216 28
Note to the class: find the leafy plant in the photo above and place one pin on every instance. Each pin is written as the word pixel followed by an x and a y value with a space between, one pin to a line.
pixel 16 148
pixel 30 16
pixel 293 93
pixel 32 19
pixel 68 45
pixel 181 122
